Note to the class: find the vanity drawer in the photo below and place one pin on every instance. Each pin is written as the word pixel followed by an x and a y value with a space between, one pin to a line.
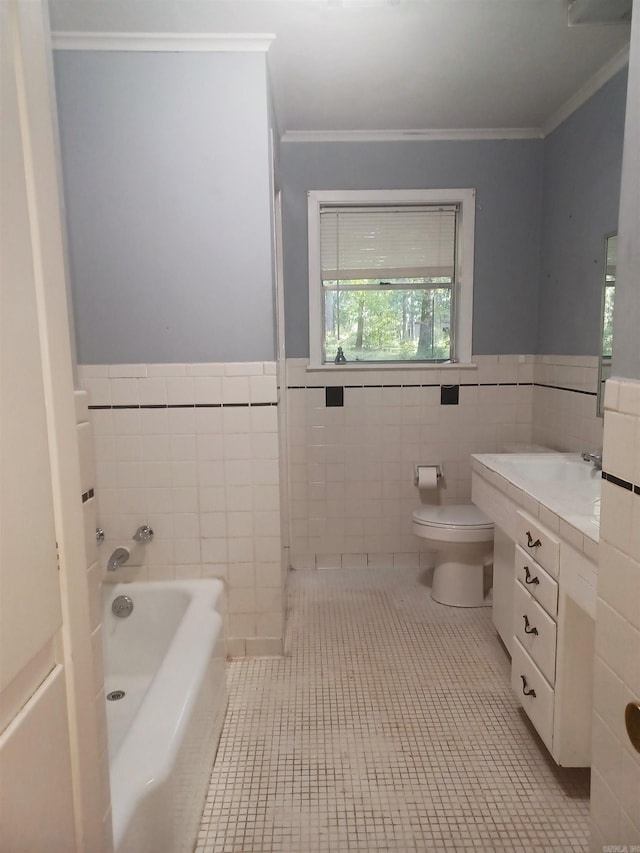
pixel 533 692
pixel 535 630
pixel 537 541
pixel 537 582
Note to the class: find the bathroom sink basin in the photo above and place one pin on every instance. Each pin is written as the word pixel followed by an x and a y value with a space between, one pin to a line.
pixel 554 468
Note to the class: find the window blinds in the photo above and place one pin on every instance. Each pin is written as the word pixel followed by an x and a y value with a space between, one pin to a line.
pixel 387 243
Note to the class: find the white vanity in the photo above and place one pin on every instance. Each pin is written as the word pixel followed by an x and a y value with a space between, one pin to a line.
pixel 546 509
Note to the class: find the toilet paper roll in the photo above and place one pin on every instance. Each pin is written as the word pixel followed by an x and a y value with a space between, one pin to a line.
pixel 427 477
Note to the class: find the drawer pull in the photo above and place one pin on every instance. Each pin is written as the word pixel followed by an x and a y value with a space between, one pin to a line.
pixel 528 577
pixel 530 542
pixel 528 691
pixel 527 629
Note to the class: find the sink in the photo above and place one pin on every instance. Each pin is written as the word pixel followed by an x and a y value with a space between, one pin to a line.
pixel 556 468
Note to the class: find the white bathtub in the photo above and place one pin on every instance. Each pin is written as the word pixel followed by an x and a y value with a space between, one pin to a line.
pixel 168 657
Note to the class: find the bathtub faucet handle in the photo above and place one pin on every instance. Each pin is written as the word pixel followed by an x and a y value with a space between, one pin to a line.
pixel 143 534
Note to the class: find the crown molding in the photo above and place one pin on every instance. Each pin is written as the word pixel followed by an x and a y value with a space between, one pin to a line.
pixel 608 70
pixel 164 42
pixel 410 135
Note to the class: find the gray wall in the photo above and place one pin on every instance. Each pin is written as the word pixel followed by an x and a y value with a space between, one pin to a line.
pixel 508 178
pixel 166 175
pixel 626 318
pixel 582 163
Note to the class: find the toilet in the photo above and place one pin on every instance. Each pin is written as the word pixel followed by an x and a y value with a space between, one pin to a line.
pixel 462 538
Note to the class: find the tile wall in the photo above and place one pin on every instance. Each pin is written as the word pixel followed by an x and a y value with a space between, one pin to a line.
pixel 192 450
pixel 565 402
pixel 615 776
pixel 196 451
pixel 94 577
pixel 351 467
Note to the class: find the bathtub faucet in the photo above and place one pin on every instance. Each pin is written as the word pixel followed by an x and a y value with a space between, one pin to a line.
pixel 596 458
pixel 117 559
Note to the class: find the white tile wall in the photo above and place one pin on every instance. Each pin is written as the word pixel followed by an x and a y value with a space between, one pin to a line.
pixel 94 576
pixel 208 479
pixel 351 468
pixel 565 403
pixel 203 472
pixel 615 800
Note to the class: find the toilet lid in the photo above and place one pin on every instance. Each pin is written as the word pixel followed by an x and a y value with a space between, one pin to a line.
pixel 465 515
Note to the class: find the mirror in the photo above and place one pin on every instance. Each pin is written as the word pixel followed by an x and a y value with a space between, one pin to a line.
pixel 606 332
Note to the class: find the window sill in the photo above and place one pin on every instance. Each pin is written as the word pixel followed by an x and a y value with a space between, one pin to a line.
pixel 353 366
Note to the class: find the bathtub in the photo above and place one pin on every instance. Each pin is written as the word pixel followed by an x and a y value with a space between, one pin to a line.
pixel 168 657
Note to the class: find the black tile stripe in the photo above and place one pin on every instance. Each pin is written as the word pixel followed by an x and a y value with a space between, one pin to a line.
pixel 179 406
pixel 562 388
pixel 120 406
pixel 618 481
pixel 462 385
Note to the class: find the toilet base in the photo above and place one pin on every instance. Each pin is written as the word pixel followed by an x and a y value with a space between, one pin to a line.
pixel 461 579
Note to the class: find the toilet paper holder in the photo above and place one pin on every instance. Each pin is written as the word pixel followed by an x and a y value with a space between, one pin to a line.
pixel 416 471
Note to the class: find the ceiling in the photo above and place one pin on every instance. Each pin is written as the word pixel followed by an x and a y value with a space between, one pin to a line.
pixel 393 66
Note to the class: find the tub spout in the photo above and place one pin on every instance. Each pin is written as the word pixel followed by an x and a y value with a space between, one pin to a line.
pixel 119 557
pixel 596 458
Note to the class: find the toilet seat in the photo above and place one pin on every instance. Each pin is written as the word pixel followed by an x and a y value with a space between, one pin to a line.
pixel 453 523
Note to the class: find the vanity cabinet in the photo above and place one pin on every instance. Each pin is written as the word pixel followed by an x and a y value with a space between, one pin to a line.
pixel 544 606
pixel 552 651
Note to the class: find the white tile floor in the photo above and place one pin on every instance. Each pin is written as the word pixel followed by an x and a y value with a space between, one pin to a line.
pixel 389 725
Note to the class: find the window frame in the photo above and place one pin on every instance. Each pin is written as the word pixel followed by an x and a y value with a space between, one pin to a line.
pixel 463 297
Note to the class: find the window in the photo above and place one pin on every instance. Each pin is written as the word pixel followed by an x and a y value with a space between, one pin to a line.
pixel 391 276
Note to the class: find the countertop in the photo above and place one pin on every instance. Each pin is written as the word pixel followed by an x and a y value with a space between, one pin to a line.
pixel 571 507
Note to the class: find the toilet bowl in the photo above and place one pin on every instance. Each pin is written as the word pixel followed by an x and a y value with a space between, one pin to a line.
pixel 462 538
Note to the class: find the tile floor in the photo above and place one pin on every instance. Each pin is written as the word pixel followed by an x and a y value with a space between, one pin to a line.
pixel 389 725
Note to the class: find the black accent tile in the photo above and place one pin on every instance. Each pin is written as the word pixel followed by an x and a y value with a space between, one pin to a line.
pixel 449 395
pixel 570 390
pixel 617 481
pixel 334 396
